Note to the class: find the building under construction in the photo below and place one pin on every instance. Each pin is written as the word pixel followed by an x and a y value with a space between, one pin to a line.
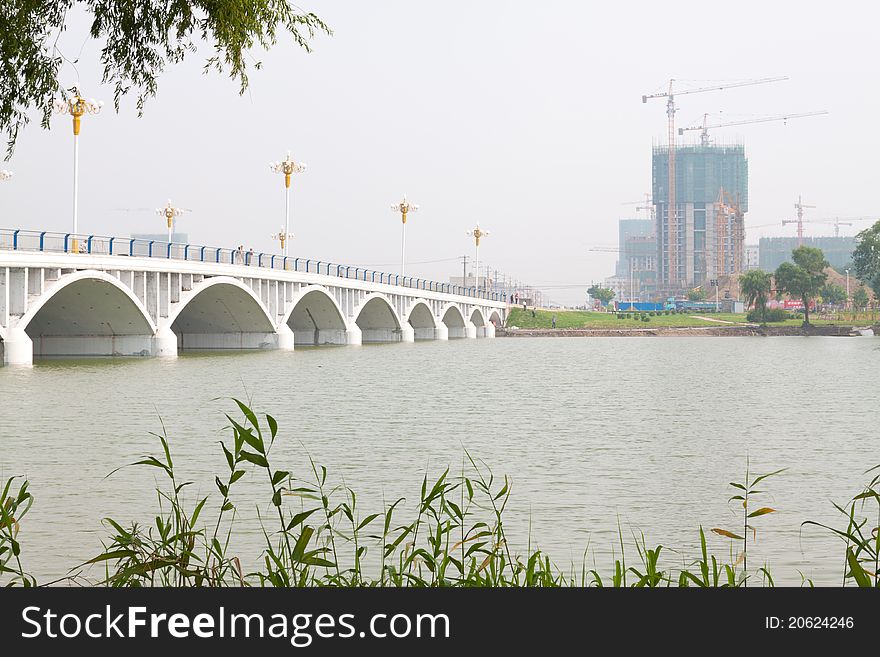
pixel 773 251
pixel 702 235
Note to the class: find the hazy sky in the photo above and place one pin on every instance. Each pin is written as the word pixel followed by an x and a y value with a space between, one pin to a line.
pixel 526 117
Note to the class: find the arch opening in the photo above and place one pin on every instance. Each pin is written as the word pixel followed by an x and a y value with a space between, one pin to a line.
pixel 223 315
pixel 316 319
pixel 454 321
pixel 481 330
pixel 422 321
pixel 90 316
pixel 378 322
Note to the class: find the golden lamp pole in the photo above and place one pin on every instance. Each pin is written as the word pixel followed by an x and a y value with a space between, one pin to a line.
pixel 477 234
pixel 282 237
pixel 170 213
pixel 288 167
pixel 76 106
pixel 404 207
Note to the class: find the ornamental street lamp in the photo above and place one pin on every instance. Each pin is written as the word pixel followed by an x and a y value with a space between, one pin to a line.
pixel 5 175
pixel 282 237
pixel 170 213
pixel 76 106
pixel 476 233
pixel 288 167
pixel 404 207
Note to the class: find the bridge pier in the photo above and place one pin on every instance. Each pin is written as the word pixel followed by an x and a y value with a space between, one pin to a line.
pixel 18 348
pixel 353 335
pixel 285 338
pixel 441 332
pixel 165 343
pixel 470 330
pixel 407 333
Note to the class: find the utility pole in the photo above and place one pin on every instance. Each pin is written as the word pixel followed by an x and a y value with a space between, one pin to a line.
pixel 464 260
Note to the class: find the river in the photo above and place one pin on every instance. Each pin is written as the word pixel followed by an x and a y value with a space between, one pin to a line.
pixel 647 431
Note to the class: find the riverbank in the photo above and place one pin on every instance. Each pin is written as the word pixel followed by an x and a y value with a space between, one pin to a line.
pixel 716 331
pixel 522 323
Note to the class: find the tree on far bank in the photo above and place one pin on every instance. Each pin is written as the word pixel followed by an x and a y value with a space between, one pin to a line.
pixel 804 277
pixel 755 286
pixel 603 294
pixel 833 294
pixel 696 294
pixel 860 298
pixel 866 257
pixel 138 39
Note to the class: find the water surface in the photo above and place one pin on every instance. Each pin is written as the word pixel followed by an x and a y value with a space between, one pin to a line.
pixel 647 430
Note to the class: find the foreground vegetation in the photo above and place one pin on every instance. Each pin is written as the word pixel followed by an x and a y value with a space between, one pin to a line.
pixel 315 534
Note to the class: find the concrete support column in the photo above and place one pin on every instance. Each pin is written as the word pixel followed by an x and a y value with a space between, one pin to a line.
pixel 165 343
pixel 489 330
pixel 285 338
pixel 470 330
pixel 353 334
pixel 407 333
pixel 441 332
pixel 18 349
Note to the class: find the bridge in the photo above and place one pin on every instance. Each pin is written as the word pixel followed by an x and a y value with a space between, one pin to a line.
pixel 106 296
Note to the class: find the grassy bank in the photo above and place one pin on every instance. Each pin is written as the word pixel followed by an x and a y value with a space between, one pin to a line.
pixel 576 319
pixel 316 534
pixel 581 319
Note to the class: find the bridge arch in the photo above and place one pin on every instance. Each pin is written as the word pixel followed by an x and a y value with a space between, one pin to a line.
pixel 452 316
pixel 421 318
pixel 478 319
pixel 222 313
pixel 316 318
pixel 377 319
pixel 495 318
pixel 88 313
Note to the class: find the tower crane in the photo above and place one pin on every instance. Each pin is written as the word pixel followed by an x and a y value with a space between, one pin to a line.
pixel 836 222
pixel 799 206
pixel 647 205
pixel 672 276
pixel 704 134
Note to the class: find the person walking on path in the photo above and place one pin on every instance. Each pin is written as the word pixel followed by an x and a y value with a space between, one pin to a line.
pixel 553 321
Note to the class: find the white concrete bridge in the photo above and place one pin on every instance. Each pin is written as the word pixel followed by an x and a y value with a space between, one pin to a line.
pixel 121 297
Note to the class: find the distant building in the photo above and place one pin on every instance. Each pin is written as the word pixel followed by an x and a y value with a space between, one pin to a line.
pixel 177 238
pixel 773 251
pixel 752 257
pixel 704 237
pixel 630 228
pixel 470 281
pixel 620 286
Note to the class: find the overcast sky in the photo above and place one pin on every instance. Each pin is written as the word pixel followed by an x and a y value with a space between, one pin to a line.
pixel 524 117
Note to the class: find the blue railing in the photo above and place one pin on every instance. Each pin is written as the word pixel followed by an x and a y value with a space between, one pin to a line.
pixel 28 240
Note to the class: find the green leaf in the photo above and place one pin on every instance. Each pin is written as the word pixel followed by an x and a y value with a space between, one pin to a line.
pixel 115 554
pixel 855 569
pixel 366 521
pixel 279 476
pixel 299 518
pixel 256 459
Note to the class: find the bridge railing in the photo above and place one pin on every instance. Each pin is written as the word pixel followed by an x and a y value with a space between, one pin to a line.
pixel 45 241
